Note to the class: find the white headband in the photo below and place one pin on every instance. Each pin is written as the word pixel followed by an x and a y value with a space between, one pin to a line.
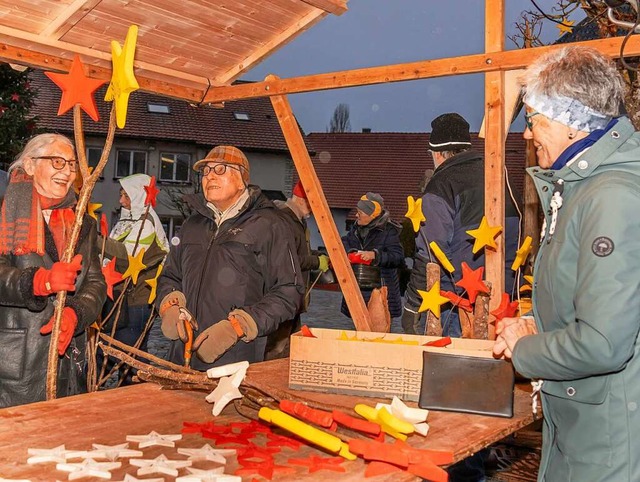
pixel 567 111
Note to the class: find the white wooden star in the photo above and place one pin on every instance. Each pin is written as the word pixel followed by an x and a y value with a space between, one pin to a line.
pixel 415 416
pixel 88 468
pixel 154 438
pixel 225 392
pixel 207 452
pixel 131 478
pixel 113 452
pixel 159 465
pixel 2 479
pixel 39 456
pixel 229 369
pixel 214 475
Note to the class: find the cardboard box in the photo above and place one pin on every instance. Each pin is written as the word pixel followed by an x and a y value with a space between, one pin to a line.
pixel 332 364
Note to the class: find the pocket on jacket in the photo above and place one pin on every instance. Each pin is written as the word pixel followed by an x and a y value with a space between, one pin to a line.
pixel 13 348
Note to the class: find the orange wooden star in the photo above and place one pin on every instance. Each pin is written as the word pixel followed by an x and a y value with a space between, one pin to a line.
pixel 507 308
pixel 135 266
pixel 472 282
pixel 458 301
pixel 77 88
pixel 152 192
pixel 111 276
pixel 484 235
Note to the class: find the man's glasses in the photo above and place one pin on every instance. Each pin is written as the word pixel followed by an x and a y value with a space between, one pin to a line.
pixel 527 119
pixel 59 162
pixel 218 169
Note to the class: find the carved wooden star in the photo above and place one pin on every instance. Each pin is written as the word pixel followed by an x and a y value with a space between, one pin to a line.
pixel 522 254
pixel 484 235
pixel 160 465
pixel 113 452
pixel 458 301
pixel 213 475
pixel 131 478
pixel 566 26
pixel 207 452
pixel 153 282
pixel 111 276
pixel 471 281
pixel 76 88
pixel 315 463
pixel 39 456
pixel 225 392
pixel 432 300
pixel 229 369
pixel 92 208
pixel 104 227
pixel 438 253
pixel 88 468
pixel 135 266
pixel 154 438
pixel 123 79
pixel 414 212
pixel 152 192
pixel 507 308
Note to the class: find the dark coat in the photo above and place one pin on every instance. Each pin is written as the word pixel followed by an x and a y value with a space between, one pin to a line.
pixel 248 262
pixel 23 350
pixel 382 236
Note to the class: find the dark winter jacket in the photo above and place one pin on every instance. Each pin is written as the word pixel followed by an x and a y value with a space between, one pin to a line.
pixel 453 203
pixel 382 236
pixel 23 350
pixel 248 262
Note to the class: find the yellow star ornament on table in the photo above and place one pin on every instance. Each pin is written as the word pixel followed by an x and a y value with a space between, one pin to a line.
pixel 432 300
pixel 414 212
pixel 153 282
pixel 123 80
pixel 484 235
pixel 135 266
pixel 522 253
pixel 566 26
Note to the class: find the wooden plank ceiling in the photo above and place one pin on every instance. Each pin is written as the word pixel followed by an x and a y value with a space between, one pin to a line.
pixel 183 45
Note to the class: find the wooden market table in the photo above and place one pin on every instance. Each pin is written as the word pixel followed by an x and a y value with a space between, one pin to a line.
pixel 107 417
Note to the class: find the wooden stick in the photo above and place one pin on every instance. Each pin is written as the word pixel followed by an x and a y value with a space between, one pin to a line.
pixel 433 326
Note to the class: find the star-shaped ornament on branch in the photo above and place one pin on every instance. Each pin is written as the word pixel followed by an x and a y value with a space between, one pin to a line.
pixel 432 300
pixel 92 208
pixel 154 438
pixel 484 235
pixel 507 308
pixel 522 254
pixel 438 253
pixel 471 281
pixel 414 212
pixel 104 227
pixel 566 26
pixel 152 192
pixel 135 266
pixel 111 276
pixel 153 283
pixel 123 80
pixel 77 88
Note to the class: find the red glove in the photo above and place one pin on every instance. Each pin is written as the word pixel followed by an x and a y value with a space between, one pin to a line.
pixel 61 277
pixel 67 328
pixel 355 258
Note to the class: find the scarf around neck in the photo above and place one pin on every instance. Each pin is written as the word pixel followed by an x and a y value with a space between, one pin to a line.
pixel 579 146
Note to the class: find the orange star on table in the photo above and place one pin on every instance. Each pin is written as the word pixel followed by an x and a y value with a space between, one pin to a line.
pixel 507 308
pixel 472 282
pixel 484 235
pixel 152 192
pixel 111 276
pixel 77 88
pixel 135 266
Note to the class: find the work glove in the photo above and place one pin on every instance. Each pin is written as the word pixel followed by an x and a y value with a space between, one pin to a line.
pixel 173 319
pixel 67 328
pixel 323 263
pixel 61 277
pixel 213 342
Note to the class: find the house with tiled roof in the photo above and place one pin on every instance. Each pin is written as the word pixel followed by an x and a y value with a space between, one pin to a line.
pixel 163 137
pixel 390 163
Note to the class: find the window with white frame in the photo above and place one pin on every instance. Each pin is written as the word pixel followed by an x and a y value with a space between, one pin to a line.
pixel 131 162
pixel 174 166
pixel 171 225
pixel 93 156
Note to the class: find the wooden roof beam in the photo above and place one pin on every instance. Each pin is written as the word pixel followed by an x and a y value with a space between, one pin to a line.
pixel 69 16
pixel 468 64
pixel 336 7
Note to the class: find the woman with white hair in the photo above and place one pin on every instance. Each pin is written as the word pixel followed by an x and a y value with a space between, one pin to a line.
pixel 35 224
pixel 581 344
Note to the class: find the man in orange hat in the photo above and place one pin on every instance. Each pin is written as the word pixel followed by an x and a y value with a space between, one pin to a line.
pixel 232 268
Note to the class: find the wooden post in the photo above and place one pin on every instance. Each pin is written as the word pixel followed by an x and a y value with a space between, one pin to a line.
pixel 321 212
pixel 494 149
pixel 433 325
pixel 481 315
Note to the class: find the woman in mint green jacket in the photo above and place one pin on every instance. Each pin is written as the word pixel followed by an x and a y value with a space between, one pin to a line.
pixel 581 345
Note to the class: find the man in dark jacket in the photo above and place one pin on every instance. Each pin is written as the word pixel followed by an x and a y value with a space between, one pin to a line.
pixel 233 268
pixel 453 203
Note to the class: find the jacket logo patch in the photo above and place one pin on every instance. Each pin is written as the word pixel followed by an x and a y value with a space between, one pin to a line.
pixel 602 246
pixel 235 231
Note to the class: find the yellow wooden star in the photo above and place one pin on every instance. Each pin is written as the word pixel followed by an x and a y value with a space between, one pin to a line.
pixel 438 253
pixel 484 235
pixel 123 80
pixel 414 212
pixel 135 266
pixel 92 208
pixel 432 299
pixel 565 27
pixel 153 282
pixel 522 253
pixel 529 279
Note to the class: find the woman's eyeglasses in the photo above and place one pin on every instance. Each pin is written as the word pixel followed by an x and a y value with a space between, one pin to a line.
pixel 59 162
pixel 218 169
pixel 527 119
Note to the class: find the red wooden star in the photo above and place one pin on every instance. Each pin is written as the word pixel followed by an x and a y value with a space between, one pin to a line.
pixel 316 463
pixel 223 439
pixel 77 88
pixel 507 308
pixel 104 229
pixel 15 97
pixel 152 192
pixel 282 441
pixel 251 427
pixel 472 282
pixel 459 301
pixel 111 276
pixel 252 451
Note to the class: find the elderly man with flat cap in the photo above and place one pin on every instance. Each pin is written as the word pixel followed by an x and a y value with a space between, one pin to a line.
pixel 233 268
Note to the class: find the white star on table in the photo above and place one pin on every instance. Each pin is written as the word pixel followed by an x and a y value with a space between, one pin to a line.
pixel 131 478
pixel 159 465
pixel 207 452
pixel 38 456
pixel 415 416
pixel 214 475
pixel 229 369
pixel 154 438
pixel 113 452
pixel 226 391
pixel 88 468
pixel 14 480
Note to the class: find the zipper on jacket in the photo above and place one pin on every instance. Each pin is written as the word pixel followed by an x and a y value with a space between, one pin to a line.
pixel 204 267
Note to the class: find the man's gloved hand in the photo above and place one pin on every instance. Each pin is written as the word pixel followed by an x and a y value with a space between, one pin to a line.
pixel 61 276
pixel 172 323
pixel 213 342
pixel 67 328
pixel 323 263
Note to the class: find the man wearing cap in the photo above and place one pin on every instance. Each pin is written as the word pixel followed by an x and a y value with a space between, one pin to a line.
pixel 453 203
pixel 295 211
pixel 233 268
